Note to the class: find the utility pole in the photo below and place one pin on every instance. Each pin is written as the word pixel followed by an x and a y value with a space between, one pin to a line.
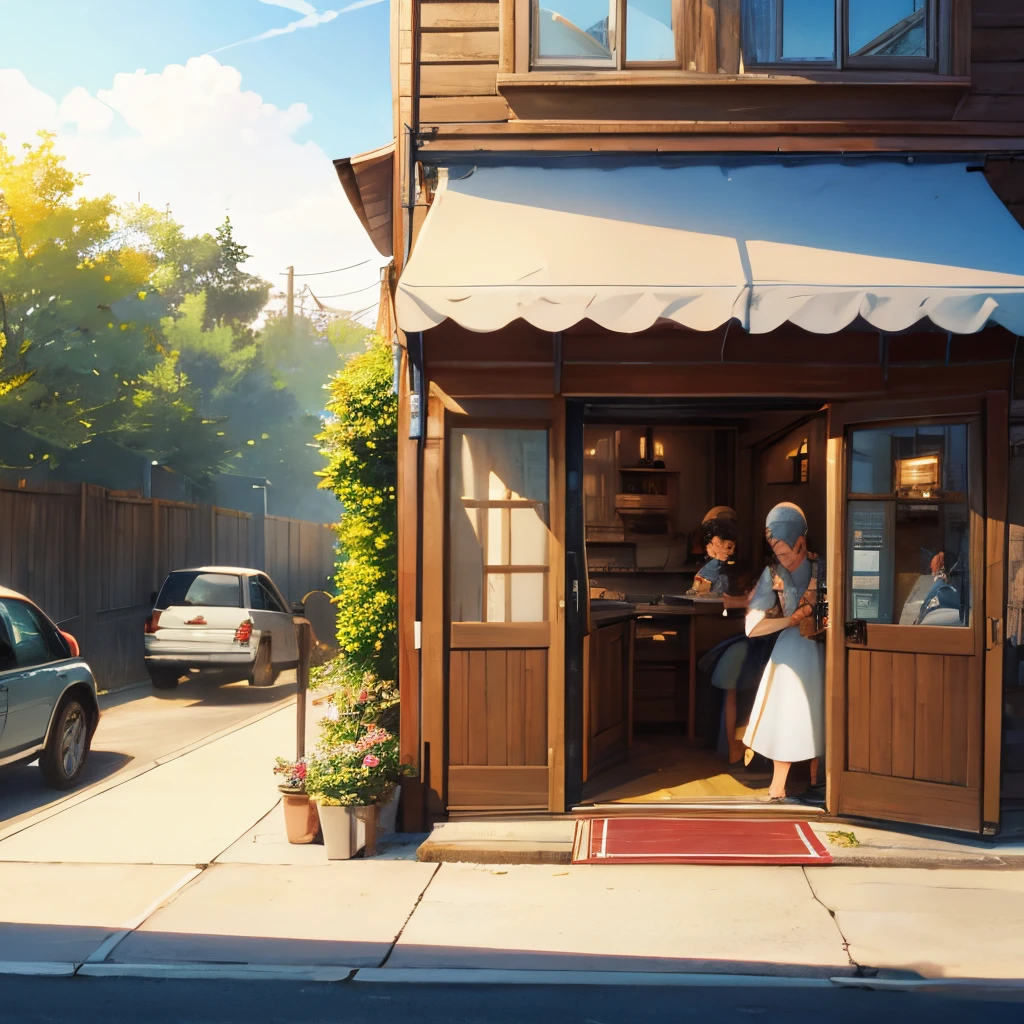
pixel 291 296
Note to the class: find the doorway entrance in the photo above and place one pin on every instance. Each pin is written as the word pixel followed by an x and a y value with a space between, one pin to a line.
pixel 661 724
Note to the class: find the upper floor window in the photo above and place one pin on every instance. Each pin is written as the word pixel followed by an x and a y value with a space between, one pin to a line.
pixel 772 33
pixel 864 33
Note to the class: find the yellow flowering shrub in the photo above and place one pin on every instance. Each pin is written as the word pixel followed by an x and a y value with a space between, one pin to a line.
pixel 360 443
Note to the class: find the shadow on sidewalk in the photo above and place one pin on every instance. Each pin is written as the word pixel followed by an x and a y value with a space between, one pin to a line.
pixel 213 690
pixel 74 944
pixel 24 791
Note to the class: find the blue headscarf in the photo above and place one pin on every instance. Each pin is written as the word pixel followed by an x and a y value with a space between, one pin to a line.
pixel 786 522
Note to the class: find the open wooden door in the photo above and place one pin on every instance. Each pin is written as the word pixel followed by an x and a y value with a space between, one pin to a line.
pixel 506 612
pixel 911 616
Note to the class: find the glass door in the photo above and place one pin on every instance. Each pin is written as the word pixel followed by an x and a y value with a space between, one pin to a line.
pixel 907 653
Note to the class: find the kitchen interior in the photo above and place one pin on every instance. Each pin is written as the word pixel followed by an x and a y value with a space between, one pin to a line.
pixel 653 723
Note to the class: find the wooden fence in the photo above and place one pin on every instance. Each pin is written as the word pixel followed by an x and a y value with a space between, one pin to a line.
pixel 91 558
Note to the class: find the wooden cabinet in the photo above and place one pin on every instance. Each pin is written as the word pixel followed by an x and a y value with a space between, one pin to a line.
pixel 608 669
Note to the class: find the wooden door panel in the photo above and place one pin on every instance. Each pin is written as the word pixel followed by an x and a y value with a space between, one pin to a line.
pixel 911 716
pixel 498 708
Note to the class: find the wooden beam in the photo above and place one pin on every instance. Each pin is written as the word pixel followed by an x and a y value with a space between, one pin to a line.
pixel 433 646
pixel 996 492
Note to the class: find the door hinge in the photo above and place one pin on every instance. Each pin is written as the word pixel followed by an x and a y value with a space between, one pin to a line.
pixel 994 630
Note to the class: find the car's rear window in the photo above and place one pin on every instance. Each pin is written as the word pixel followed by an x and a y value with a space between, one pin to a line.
pixel 206 589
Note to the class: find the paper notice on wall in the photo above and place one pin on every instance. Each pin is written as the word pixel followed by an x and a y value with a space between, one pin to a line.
pixel 866 561
pixel 865 583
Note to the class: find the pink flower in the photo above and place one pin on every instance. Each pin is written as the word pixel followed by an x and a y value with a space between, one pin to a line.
pixel 370 761
pixel 364 696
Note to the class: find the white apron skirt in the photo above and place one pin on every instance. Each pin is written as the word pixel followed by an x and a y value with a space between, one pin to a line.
pixel 787 722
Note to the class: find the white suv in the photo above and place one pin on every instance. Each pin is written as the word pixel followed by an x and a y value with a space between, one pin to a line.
pixel 220 617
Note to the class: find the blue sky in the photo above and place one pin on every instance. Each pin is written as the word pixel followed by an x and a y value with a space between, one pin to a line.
pixel 339 69
pixel 175 103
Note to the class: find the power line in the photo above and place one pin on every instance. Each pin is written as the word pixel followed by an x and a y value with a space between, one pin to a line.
pixel 341 295
pixel 320 273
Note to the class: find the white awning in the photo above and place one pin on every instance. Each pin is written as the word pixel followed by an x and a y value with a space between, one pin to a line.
pixel 817 243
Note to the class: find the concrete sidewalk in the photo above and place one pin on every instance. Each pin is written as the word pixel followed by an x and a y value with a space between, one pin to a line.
pixel 185 871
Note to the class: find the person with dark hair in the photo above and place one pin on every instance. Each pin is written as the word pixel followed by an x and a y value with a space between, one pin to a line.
pixel 719 532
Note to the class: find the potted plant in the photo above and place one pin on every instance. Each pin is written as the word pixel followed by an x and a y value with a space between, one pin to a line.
pixel 301 820
pixel 356 786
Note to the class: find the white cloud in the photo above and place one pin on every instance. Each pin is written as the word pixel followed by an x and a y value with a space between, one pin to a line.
pixel 193 138
pixel 311 18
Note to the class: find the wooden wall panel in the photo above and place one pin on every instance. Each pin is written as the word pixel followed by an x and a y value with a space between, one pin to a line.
pixel 458 15
pixel 473 787
pixel 904 687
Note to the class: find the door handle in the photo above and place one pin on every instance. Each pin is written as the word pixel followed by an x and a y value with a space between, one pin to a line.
pixel 993 633
pixel 575 562
pixel 857 632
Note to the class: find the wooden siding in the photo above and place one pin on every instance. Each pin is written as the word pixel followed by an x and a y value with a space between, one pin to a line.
pixel 466 53
pixel 460 48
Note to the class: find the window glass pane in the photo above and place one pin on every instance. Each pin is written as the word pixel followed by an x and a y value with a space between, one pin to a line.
pixel 649 32
pixel 209 589
pixel 572 29
pixel 527 597
pixel 910 462
pixel 777 31
pixel 529 536
pixel 496 590
pixel 492 471
pixel 32 645
pixel 257 599
pixel 888 28
pixel 496 536
pixel 908 558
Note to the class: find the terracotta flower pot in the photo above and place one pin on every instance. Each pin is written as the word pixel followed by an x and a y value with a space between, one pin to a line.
pixel 301 820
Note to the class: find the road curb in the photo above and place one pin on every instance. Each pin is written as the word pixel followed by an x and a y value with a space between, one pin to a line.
pixel 218 972
pixel 37 969
pixel 148 766
pixel 498 976
pixel 122 689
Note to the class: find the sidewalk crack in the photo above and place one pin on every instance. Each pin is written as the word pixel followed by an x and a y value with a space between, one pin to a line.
pixel 859 970
pixel 415 907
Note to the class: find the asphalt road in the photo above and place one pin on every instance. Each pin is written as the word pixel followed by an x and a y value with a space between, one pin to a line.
pixel 110 1001
pixel 140 725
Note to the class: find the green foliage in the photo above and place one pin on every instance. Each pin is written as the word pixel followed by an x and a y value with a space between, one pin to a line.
pixel 117 323
pixel 74 303
pixel 360 443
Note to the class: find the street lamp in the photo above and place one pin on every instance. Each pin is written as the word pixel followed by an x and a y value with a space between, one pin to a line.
pixel 263 487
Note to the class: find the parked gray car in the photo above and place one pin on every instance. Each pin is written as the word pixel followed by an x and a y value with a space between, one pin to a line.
pixel 48 704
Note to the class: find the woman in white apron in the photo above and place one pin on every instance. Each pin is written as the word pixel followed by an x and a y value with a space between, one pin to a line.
pixel 787 723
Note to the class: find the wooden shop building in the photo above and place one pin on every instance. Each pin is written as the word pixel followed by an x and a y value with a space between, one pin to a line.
pixel 655 256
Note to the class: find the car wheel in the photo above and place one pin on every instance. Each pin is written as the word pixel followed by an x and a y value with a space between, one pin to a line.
pixel 68 747
pixel 164 679
pixel 262 671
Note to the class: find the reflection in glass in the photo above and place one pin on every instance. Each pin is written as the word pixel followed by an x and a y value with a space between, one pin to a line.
pixel 908 550
pixel 572 30
pixel 783 31
pixel 888 28
pixel 499 520
pixel 649 33
pixel 910 462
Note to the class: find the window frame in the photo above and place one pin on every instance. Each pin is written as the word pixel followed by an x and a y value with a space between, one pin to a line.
pixel 938 15
pixel 942 16
pixel 617 35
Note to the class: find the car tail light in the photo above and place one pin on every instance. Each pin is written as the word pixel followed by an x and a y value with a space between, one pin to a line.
pixel 244 632
pixel 72 643
pixel 153 623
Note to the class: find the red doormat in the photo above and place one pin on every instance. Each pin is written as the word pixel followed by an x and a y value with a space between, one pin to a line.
pixel 695 841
